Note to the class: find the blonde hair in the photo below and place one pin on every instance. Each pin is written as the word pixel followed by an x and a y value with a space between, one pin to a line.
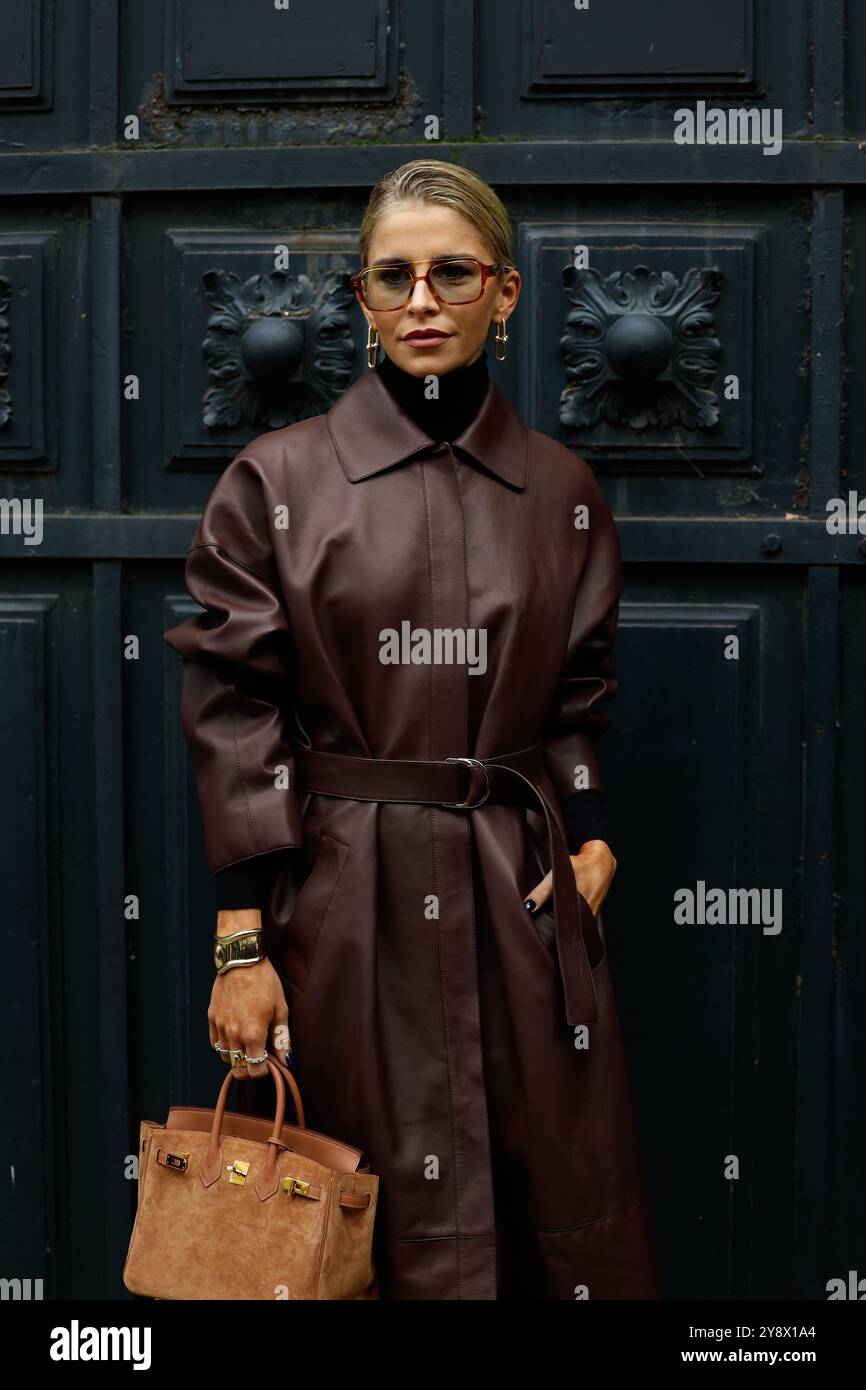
pixel 449 185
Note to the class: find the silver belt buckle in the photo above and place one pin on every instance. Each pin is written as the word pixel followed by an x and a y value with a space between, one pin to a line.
pixel 470 805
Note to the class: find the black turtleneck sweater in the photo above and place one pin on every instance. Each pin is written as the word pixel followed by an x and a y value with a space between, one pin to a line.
pixel 461 393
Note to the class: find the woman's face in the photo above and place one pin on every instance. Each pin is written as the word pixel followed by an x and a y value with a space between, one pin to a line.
pixel 418 233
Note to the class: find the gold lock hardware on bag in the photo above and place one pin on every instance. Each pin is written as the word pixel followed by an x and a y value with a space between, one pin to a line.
pixel 170 1160
pixel 296 1187
pixel 238 1170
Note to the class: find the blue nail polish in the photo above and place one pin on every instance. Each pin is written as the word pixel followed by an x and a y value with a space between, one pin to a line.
pixel 529 903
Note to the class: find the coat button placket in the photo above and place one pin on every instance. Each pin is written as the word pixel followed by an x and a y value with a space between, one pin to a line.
pixel 475 1245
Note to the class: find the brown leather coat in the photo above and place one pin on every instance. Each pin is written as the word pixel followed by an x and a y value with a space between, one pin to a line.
pixel 471 1049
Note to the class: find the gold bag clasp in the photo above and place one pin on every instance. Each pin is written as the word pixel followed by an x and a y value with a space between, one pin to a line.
pixel 295 1187
pixel 238 1171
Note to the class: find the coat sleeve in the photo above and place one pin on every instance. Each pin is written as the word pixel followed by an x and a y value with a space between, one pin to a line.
pixel 247 883
pixel 236 681
pixel 575 719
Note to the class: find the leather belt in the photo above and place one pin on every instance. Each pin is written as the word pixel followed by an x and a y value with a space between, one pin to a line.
pixel 469 784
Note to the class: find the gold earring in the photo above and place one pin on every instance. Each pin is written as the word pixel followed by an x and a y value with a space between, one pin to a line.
pixel 373 344
pixel 501 341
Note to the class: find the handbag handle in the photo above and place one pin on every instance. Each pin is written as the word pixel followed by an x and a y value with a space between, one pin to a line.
pixel 268 1179
pixel 293 1087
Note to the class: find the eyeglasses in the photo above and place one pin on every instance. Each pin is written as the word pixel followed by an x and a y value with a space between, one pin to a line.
pixel 453 280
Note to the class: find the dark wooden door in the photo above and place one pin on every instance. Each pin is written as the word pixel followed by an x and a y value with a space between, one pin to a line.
pixel 181 185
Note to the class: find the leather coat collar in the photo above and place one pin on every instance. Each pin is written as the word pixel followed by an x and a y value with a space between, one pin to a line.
pixel 371 432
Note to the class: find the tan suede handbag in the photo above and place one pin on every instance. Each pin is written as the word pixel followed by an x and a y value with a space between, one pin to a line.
pixel 232 1206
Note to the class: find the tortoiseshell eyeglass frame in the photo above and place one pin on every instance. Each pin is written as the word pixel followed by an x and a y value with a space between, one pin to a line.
pixel 486 272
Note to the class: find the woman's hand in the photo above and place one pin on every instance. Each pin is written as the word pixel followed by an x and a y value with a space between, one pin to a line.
pixel 247 1003
pixel 594 868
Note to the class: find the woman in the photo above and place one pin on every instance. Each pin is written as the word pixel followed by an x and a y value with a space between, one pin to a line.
pixel 423 593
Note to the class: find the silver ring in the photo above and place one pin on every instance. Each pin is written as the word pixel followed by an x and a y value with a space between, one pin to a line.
pixel 263 1058
pixel 470 805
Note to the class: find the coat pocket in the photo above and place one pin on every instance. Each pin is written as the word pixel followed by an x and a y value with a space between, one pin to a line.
pixel 311 909
pixel 596 948
pixel 542 918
